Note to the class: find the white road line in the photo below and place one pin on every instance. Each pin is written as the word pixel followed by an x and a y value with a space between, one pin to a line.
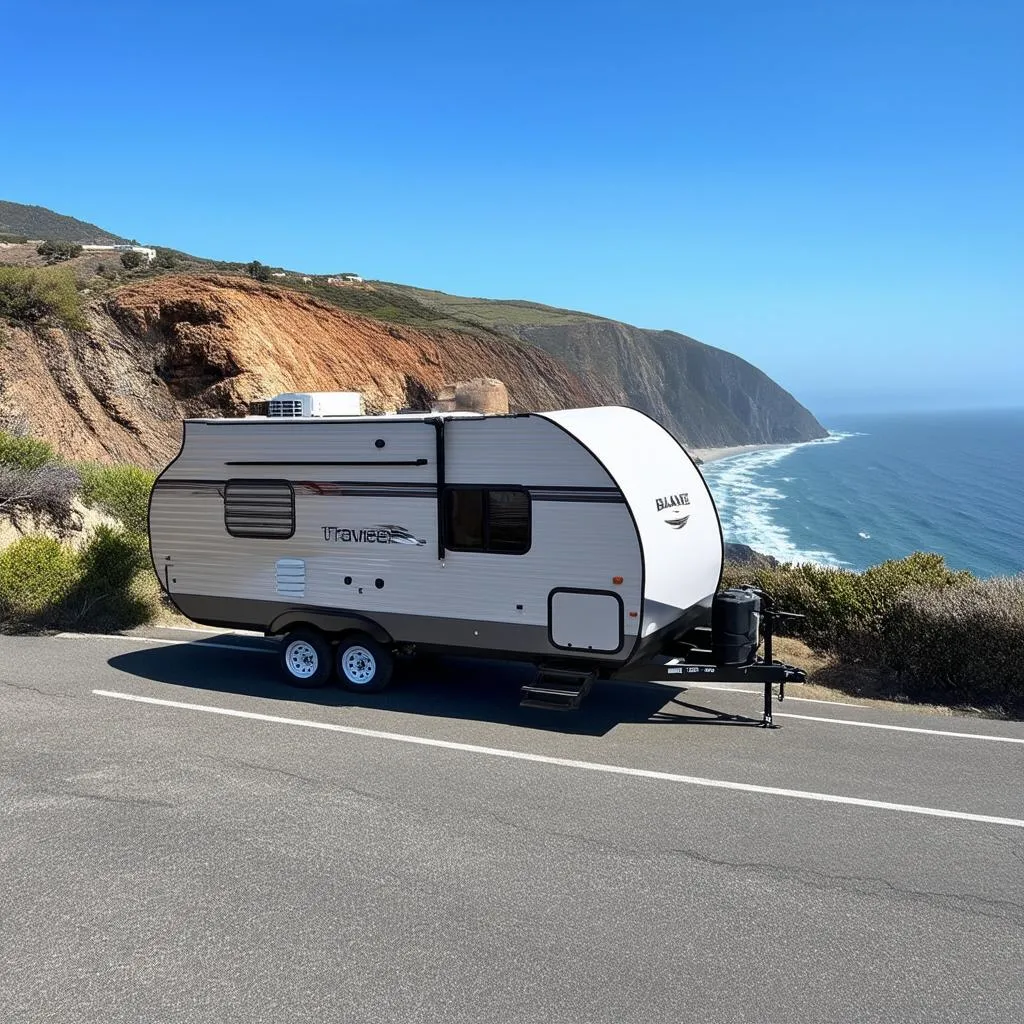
pixel 709 686
pixel 209 629
pixel 164 641
pixel 818 700
pixel 903 728
pixel 736 689
pixel 561 762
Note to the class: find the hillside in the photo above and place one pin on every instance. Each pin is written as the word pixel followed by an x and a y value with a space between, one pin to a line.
pixel 177 346
pixel 706 396
pixel 39 222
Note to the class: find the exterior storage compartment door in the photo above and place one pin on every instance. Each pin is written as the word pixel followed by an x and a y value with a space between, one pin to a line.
pixel 585 620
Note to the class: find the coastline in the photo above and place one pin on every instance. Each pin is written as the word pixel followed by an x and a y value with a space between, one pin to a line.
pixel 707 455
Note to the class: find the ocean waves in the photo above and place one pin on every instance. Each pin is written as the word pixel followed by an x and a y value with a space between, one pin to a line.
pixel 950 483
pixel 753 506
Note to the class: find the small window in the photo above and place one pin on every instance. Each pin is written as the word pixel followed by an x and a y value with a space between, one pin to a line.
pixel 494 520
pixel 259 508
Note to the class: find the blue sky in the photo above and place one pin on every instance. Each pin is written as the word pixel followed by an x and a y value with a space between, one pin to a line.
pixel 832 190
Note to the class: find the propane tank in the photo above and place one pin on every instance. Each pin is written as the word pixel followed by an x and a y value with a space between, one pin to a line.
pixel 735 626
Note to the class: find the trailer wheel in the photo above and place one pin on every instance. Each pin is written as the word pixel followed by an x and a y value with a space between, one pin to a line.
pixel 363 664
pixel 306 658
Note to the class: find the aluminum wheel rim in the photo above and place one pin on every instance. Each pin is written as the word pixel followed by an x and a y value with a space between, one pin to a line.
pixel 358 664
pixel 302 659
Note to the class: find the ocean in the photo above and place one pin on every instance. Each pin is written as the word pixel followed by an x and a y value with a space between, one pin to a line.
pixel 882 486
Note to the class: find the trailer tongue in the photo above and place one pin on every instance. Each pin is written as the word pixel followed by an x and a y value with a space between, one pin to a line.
pixel 725 652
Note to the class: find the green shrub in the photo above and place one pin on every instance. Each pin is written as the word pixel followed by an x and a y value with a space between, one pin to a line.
pixel 120 491
pixel 942 635
pixel 166 259
pixel 26 453
pixel 131 260
pixel 102 586
pixel 960 645
pixel 36 574
pixel 57 252
pixel 34 296
pixel 845 611
pixel 105 595
pixel 824 595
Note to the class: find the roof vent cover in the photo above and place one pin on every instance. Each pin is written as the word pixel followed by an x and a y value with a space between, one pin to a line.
pixel 311 404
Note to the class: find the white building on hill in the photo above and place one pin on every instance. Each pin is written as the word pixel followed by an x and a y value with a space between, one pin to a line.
pixel 143 250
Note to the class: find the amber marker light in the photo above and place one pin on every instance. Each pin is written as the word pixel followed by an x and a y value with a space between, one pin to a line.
pixel 617 580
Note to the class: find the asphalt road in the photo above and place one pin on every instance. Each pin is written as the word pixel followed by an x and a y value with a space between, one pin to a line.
pixel 438 854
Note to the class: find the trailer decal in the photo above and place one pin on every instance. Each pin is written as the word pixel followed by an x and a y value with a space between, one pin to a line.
pixel 386 534
pixel 671 501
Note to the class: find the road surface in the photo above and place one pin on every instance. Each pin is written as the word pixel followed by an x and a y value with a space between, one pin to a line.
pixel 184 838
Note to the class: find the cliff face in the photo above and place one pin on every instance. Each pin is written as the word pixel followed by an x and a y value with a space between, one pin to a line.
pixel 182 346
pixel 706 396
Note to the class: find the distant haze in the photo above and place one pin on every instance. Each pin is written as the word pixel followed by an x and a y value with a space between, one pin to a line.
pixel 831 403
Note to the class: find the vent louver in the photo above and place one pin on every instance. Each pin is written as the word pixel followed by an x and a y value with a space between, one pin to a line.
pixel 284 407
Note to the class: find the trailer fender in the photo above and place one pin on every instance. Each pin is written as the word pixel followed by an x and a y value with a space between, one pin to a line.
pixel 328 622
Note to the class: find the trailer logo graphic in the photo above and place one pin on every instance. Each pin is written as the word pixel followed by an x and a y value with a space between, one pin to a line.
pixel 673 501
pixel 385 534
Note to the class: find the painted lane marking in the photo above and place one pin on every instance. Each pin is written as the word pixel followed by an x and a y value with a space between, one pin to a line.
pixel 562 762
pixel 209 629
pixel 903 728
pixel 818 700
pixel 708 686
pixel 729 688
pixel 165 641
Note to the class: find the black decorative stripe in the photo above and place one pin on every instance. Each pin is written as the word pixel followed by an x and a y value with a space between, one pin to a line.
pixel 190 485
pixel 300 462
pixel 339 488
pixel 384 489
pixel 598 495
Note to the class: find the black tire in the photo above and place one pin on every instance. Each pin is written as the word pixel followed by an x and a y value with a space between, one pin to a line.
pixel 363 665
pixel 315 658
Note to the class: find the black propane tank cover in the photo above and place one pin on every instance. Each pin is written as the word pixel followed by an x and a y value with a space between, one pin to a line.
pixel 735 622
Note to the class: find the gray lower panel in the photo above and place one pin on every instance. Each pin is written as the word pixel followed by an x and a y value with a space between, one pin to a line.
pixel 427 630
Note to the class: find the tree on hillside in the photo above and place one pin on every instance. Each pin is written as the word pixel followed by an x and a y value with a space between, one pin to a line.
pixel 165 259
pixel 57 252
pixel 257 271
pixel 131 260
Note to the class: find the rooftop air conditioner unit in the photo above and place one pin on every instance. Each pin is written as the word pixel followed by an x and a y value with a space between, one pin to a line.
pixel 306 404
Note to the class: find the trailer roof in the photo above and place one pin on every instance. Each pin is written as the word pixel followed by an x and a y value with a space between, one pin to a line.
pixel 385 418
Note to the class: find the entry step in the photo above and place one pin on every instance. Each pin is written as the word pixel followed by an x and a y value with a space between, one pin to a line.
pixel 558 689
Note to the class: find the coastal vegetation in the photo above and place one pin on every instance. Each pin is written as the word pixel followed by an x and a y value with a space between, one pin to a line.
pixel 58 252
pixel 909 629
pixel 49 578
pixel 32 297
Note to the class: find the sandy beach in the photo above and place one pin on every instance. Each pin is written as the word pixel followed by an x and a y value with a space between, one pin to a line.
pixel 714 454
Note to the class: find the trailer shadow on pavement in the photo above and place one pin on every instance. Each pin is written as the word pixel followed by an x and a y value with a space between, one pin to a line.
pixel 455 688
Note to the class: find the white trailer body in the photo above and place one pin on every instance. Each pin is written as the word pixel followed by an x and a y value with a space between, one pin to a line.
pixel 585 535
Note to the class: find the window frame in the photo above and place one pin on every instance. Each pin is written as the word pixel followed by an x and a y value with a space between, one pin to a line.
pixel 485 489
pixel 252 482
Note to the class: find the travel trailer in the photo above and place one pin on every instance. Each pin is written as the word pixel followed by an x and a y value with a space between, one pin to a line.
pixel 584 541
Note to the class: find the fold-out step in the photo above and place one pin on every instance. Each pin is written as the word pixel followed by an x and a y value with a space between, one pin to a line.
pixel 558 689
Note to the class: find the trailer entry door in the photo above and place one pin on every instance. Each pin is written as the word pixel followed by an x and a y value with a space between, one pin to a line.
pixel 585 620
